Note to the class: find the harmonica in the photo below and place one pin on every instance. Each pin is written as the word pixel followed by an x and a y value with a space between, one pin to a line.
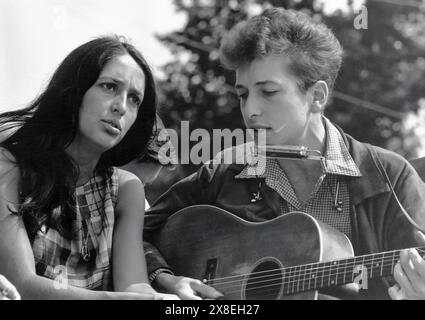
pixel 291 152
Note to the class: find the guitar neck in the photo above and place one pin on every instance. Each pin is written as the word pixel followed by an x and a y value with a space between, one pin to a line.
pixel 335 273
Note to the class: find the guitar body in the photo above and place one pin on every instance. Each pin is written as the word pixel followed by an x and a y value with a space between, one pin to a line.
pixel 243 259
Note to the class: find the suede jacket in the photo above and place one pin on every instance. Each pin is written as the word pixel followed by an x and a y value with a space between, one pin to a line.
pixel 378 223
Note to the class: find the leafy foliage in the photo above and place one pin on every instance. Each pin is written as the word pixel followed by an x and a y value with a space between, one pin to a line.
pixel 383 69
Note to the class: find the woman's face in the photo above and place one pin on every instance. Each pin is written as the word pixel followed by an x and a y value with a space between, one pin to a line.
pixel 110 106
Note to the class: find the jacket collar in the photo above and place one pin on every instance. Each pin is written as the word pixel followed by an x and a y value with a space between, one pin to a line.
pixel 371 181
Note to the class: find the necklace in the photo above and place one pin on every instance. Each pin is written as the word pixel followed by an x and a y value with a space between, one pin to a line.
pixel 85 252
pixel 86 226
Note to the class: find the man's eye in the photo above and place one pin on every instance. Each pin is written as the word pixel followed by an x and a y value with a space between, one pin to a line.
pixel 269 92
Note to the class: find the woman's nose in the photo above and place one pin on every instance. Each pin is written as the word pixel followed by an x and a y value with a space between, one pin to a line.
pixel 119 104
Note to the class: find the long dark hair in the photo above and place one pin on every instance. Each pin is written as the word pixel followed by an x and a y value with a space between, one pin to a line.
pixel 49 124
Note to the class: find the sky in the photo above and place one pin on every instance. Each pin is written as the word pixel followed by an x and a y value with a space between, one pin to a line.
pixel 36 35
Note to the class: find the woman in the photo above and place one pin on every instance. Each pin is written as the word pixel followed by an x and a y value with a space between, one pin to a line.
pixel 66 231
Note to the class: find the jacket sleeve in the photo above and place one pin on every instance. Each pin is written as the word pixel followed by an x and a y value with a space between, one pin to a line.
pixel 410 191
pixel 192 190
pixel 381 222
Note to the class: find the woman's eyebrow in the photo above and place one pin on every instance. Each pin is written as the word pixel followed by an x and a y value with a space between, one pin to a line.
pixel 121 82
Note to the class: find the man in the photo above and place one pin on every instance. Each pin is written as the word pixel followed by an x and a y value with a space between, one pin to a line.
pixel 286 65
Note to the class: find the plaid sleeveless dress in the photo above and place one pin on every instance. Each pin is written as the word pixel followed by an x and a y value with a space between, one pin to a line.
pixel 85 261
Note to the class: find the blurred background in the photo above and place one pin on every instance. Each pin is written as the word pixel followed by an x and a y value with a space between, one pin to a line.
pixel 379 96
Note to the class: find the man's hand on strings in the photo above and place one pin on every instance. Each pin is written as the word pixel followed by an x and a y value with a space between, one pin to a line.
pixel 409 273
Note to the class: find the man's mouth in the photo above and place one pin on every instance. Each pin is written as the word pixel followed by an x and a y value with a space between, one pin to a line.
pixel 260 128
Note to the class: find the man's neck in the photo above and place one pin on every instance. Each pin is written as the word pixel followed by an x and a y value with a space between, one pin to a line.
pixel 304 174
pixel 314 135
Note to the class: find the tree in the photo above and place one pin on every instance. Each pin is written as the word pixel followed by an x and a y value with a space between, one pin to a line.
pixel 384 64
pixel 382 70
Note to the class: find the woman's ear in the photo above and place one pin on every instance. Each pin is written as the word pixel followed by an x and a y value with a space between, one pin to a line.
pixel 319 95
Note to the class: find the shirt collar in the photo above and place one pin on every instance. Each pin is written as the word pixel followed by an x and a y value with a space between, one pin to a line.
pixel 338 158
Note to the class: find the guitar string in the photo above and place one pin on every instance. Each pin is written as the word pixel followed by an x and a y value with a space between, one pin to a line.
pixel 288 282
pixel 300 273
pixel 290 285
pixel 325 264
pixel 286 288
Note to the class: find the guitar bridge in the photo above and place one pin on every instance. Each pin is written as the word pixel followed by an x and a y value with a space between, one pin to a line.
pixel 211 270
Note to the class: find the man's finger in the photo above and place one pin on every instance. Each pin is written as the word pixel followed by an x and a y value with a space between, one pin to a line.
pixel 396 293
pixel 411 273
pixel 206 291
pixel 401 278
pixel 189 294
pixel 164 296
pixel 418 263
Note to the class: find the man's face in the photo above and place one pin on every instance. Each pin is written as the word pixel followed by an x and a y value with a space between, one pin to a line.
pixel 270 99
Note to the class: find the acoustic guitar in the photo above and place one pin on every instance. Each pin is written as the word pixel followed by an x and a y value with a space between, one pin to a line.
pixel 289 257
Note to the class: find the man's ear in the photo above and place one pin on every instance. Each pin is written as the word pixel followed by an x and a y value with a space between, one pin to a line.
pixel 319 96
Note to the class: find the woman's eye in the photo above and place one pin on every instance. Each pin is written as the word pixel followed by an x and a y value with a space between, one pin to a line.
pixel 242 96
pixel 109 86
pixel 135 100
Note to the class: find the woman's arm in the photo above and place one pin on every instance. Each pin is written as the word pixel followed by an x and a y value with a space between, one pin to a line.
pixel 16 256
pixel 129 265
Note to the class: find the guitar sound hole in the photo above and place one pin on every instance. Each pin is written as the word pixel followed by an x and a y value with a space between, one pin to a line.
pixel 265 282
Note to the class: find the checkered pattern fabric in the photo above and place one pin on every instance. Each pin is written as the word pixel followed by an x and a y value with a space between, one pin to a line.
pixel 330 189
pixel 60 259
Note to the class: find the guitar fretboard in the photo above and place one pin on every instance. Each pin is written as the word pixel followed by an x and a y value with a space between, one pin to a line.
pixel 334 273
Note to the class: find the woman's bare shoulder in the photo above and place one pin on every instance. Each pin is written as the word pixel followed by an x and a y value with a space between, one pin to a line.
pixel 7 161
pixel 125 176
pixel 9 182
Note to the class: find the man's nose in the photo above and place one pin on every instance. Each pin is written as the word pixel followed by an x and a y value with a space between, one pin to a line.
pixel 252 107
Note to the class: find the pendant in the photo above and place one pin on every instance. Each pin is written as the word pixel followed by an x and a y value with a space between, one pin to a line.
pixel 338 206
pixel 256 196
pixel 85 253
